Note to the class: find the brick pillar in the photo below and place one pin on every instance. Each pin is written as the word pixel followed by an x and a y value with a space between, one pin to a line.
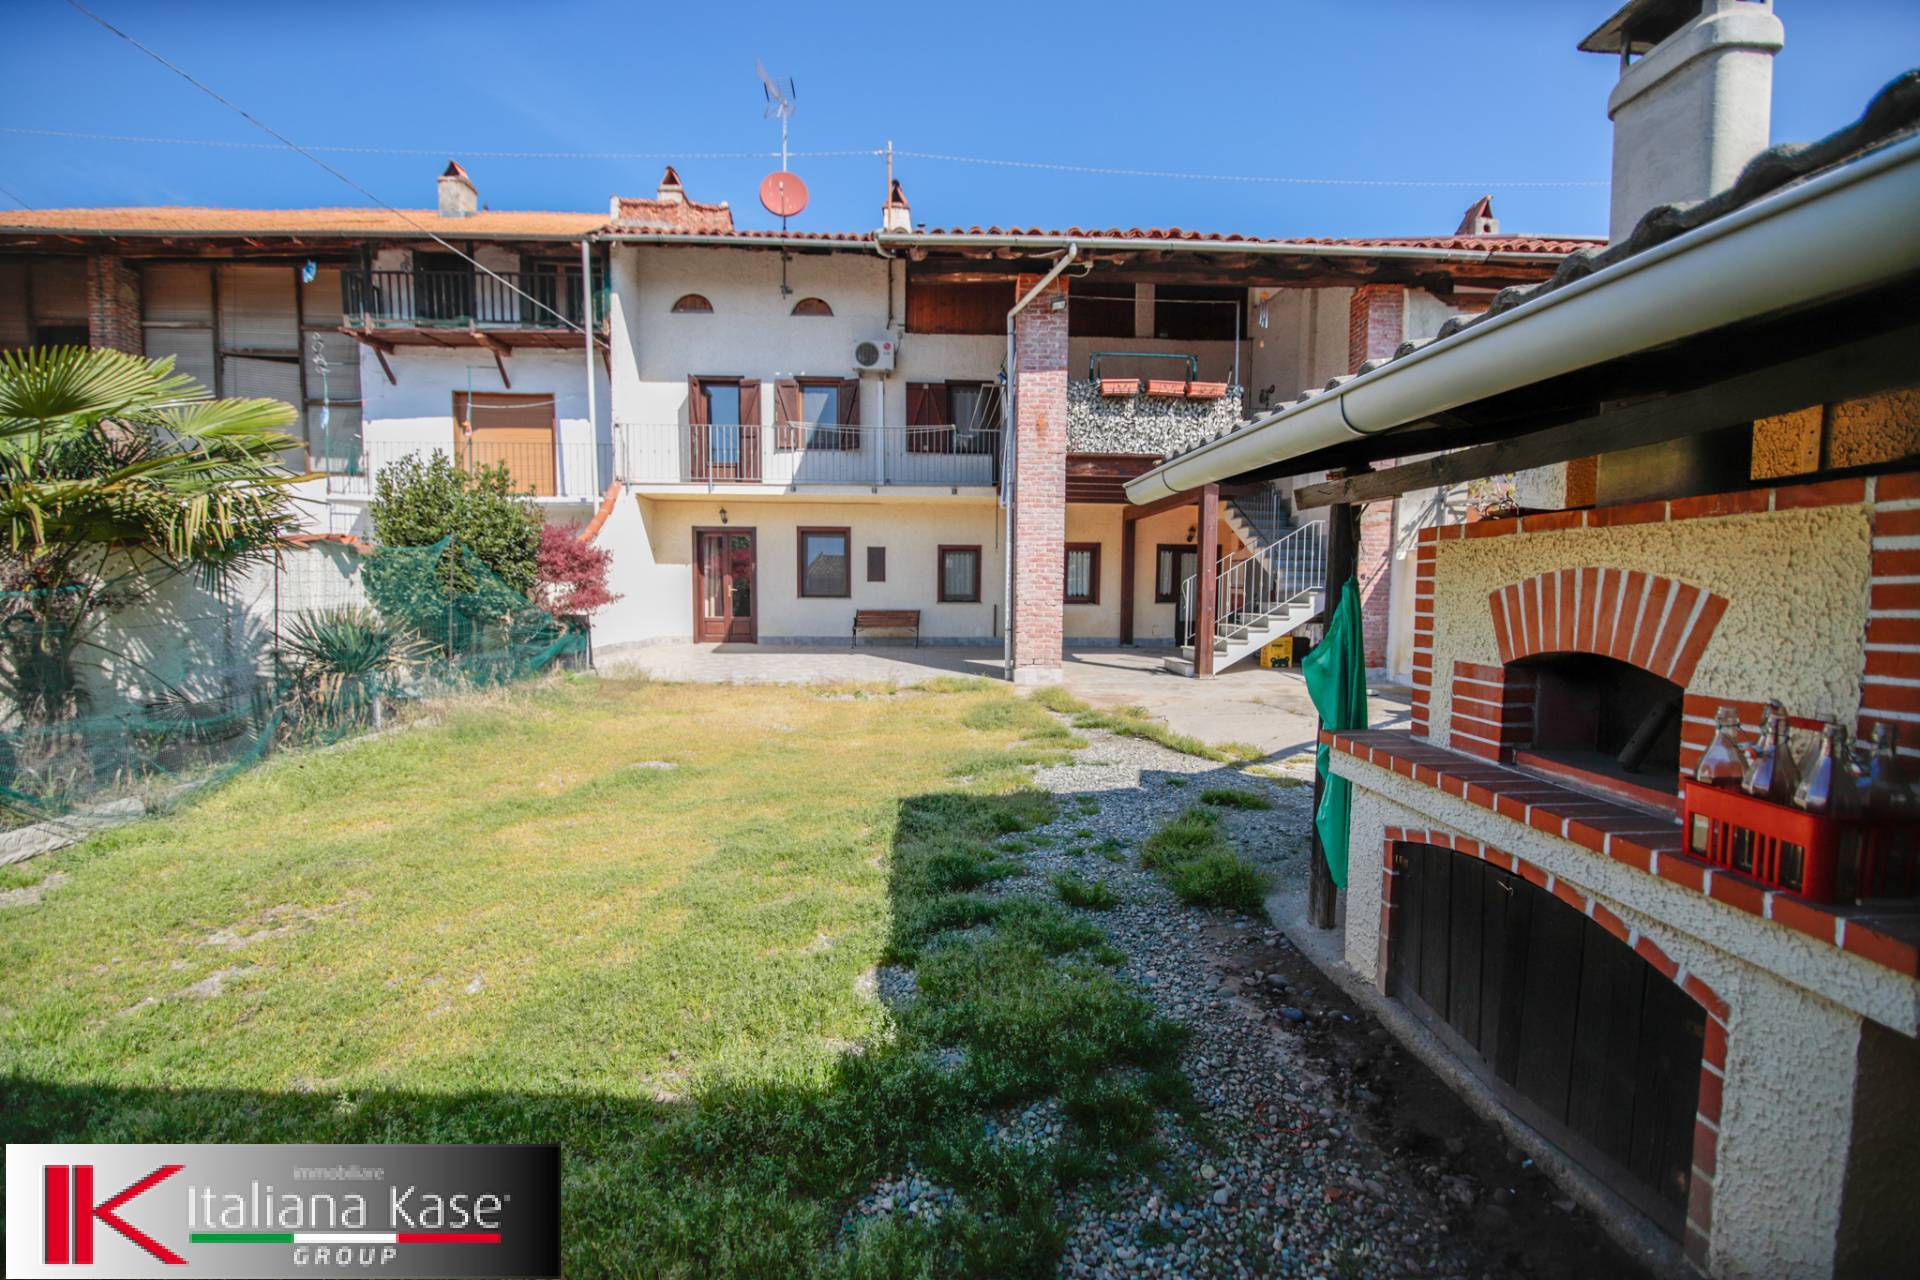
pixel 1035 615
pixel 113 305
pixel 1376 325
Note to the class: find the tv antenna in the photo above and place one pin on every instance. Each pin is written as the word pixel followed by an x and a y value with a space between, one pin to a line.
pixel 781 193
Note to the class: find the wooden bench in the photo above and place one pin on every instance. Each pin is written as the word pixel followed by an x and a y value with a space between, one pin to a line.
pixel 886 620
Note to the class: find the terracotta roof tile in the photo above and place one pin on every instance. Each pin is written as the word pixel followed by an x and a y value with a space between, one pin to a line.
pixel 636 213
pixel 186 221
pixel 1496 244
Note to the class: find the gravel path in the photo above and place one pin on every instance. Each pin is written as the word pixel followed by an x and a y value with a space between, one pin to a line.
pixel 1291 1168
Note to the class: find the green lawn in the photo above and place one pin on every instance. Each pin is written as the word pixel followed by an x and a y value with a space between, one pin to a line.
pixel 499 926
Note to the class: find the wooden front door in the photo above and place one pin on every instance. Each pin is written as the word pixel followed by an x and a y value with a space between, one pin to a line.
pixel 495 429
pixel 723 586
pixel 1574 1030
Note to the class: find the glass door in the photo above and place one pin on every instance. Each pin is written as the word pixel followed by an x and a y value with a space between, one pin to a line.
pixel 724 565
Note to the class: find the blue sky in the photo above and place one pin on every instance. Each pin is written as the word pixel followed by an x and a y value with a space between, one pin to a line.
pixel 1477 96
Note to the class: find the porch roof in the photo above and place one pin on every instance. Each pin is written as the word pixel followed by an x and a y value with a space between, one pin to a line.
pixel 1665 250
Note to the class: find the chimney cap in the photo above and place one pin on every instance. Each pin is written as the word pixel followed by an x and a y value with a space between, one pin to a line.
pixel 896 199
pixel 454 170
pixel 1639 25
pixel 1479 219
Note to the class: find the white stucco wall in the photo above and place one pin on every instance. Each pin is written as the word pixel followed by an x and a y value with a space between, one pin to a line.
pixel 752 333
pixel 1795 581
pixel 653 554
pixel 1795 1006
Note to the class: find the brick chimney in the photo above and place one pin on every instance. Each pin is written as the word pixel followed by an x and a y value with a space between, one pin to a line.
pixel 1694 101
pixel 670 191
pixel 895 216
pixel 458 199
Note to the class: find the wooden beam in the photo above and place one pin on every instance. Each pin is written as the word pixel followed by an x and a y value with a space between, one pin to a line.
pixel 380 350
pixel 1129 540
pixel 500 352
pixel 1858 369
pixel 1203 612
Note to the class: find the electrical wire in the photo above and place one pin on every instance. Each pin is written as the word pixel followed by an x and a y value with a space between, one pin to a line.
pixel 270 131
pixel 938 157
pixel 16 199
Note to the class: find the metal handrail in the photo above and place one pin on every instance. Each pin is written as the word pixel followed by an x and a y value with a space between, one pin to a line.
pixel 1274 578
pixel 457 299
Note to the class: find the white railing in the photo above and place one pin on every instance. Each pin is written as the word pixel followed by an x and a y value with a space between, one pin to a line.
pixel 1279 576
pixel 541 470
pixel 722 455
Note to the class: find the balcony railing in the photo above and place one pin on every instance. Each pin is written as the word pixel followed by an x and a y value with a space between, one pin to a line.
pixel 467 299
pixel 539 470
pixel 808 454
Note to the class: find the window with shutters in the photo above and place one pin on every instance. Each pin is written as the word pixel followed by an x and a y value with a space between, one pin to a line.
pixel 723 428
pixel 817 413
pixel 953 417
pixel 959 569
pixel 1083 573
pixel 826 562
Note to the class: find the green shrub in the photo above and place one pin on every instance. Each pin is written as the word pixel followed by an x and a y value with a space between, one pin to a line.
pixel 1219 879
pixel 1234 798
pixel 1076 892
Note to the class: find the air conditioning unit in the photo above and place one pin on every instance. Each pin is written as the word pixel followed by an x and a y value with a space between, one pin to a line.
pixel 875 355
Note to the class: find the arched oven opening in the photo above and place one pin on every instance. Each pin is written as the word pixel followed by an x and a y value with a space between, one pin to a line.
pixel 1603 723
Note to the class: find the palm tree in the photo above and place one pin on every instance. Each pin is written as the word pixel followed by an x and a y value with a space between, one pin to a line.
pixel 113 466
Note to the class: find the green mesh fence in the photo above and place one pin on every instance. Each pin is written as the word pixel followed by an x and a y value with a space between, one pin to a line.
pixel 131 695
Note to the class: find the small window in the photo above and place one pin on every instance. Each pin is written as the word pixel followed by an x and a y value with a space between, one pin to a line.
pixel 825 564
pixel 820 404
pixel 959 575
pixel 812 307
pixel 692 304
pixel 1083 573
pixel 876 564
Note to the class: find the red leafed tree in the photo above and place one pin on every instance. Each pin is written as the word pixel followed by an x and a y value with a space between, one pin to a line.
pixel 571 580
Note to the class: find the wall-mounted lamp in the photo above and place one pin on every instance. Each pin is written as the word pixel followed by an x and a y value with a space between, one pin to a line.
pixel 1058 304
pixel 1191 530
pixel 723 515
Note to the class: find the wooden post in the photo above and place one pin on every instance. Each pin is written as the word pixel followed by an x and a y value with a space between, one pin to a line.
pixel 1342 543
pixel 1129 529
pixel 1203 604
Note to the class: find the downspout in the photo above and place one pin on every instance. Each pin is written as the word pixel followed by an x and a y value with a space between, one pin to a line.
pixel 586 313
pixel 1009 452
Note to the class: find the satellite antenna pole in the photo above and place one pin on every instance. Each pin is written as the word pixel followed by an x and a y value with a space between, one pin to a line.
pixel 783 192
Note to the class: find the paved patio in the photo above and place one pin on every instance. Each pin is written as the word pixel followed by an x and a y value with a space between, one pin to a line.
pixel 1269 709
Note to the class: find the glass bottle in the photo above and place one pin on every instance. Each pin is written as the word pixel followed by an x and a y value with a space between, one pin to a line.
pixel 1828 786
pixel 1885 789
pixel 1771 773
pixel 1722 764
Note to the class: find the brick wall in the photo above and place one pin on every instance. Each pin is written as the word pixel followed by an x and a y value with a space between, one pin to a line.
pixel 113 305
pixel 1376 325
pixel 1035 612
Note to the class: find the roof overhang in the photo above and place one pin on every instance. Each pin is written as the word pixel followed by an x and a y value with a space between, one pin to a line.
pixel 1839 232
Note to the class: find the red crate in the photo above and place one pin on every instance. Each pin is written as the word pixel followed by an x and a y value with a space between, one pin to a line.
pixel 1814 856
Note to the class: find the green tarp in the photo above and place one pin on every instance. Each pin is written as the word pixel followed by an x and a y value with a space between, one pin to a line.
pixel 1336 673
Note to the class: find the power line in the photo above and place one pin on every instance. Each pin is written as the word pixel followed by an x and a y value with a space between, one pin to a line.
pixel 1182 176
pixel 470 152
pixel 16 199
pixel 255 121
pixel 938 157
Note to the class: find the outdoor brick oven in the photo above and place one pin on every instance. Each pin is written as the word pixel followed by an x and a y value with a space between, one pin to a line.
pixel 1698 1040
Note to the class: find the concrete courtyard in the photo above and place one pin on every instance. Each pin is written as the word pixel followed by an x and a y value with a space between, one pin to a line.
pixel 1266 709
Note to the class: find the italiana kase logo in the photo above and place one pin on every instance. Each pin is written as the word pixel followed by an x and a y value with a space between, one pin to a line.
pixel 292 1210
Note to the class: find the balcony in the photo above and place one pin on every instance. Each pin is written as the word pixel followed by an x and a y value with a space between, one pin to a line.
pixel 801 455
pixel 521 308
pixel 566 472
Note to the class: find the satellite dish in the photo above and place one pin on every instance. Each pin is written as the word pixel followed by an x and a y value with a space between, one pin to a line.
pixel 783 194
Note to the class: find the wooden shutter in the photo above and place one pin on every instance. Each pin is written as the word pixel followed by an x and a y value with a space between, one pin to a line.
pixel 927 411
pixel 749 428
pixel 697 452
pixel 786 413
pixel 849 399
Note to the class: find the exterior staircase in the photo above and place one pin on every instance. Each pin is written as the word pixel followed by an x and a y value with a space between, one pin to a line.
pixel 1269 593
